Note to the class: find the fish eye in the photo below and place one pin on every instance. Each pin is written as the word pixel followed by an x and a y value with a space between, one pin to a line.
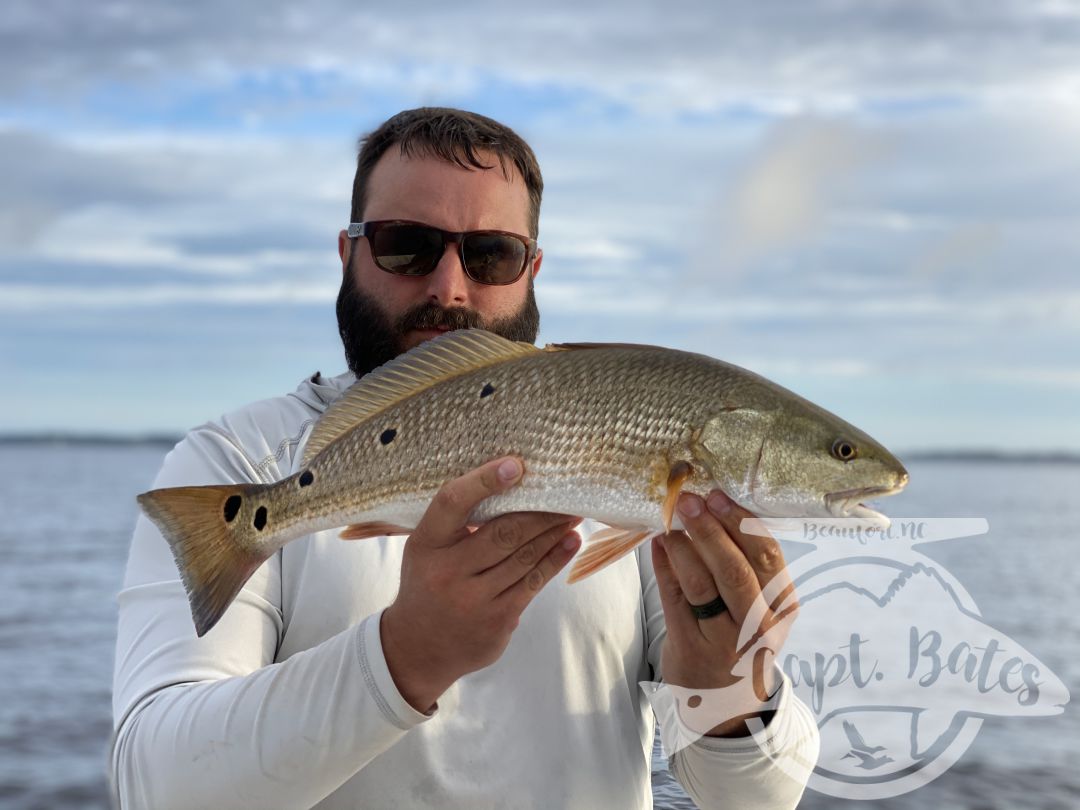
pixel 844 450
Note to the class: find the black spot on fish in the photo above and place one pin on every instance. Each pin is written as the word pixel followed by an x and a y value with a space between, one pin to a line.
pixel 232 507
pixel 489 389
pixel 260 518
pixel 388 435
pixel 306 478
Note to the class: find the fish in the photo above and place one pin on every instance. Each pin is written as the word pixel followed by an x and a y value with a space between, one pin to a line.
pixel 608 431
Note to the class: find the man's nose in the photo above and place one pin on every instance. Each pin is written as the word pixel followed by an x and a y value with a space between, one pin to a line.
pixel 447 284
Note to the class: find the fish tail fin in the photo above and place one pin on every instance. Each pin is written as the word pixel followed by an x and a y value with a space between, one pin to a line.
pixel 604 548
pixel 209 531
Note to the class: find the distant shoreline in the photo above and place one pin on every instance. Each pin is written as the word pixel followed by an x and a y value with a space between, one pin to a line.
pixel 83 439
pixel 168 440
pixel 994 456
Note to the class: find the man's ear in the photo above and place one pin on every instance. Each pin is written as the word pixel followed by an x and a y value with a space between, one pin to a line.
pixel 344 249
pixel 536 262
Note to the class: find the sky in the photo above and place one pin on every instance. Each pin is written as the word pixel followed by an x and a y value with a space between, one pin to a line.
pixel 876 204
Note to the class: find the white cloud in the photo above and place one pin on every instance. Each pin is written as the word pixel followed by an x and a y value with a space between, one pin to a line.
pixel 829 188
pixel 784 195
pixel 960 246
pixel 23 298
pixel 823 56
pixel 1021 374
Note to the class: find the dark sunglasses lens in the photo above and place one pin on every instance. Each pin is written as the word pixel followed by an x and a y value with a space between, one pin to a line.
pixel 493 258
pixel 408 250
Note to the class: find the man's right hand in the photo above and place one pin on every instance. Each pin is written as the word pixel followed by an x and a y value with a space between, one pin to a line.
pixel 462 591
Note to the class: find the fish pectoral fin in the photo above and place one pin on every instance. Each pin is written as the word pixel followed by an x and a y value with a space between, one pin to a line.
pixel 680 471
pixel 605 547
pixel 362 531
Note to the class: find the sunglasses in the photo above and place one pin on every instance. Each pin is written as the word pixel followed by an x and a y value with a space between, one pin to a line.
pixel 413 249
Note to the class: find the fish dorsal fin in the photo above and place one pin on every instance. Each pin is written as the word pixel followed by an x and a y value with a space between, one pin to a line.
pixel 431 362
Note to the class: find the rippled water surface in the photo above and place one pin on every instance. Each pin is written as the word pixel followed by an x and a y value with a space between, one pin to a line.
pixel 69 512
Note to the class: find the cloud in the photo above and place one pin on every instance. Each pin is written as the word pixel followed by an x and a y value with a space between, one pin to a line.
pixel 44 178
pixel 25 298
pixel 85 206
pixel 780 59
pixel 959 247
pixel 784 195
pixel 1042 376
pixel 853 190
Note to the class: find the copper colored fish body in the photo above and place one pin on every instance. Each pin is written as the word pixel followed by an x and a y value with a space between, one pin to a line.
pixel 611 432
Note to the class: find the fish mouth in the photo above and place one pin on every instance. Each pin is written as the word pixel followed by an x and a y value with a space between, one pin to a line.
pixel 848 502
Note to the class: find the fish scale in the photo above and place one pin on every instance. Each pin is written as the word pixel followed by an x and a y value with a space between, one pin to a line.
pixel 608 431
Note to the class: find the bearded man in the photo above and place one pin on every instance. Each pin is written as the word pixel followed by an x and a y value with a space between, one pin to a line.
pixel 454 668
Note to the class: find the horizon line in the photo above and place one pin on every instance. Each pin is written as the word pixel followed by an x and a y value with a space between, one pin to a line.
pixel 171 438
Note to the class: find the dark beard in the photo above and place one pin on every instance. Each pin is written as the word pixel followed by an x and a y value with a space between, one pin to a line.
pixel 370 339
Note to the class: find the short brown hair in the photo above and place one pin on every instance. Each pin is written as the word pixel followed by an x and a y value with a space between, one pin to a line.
pixel 456 136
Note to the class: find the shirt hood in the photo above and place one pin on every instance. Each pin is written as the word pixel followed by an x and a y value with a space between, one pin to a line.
pixel 318 391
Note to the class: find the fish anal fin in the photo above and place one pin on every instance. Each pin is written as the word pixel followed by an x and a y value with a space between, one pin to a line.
pixel 432 362
pixel 680 472
pixel 605 547
pixel 362 531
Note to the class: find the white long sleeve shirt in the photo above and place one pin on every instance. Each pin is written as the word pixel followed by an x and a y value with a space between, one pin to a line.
pixel 288 701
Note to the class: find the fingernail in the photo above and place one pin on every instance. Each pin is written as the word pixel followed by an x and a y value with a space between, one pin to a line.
pixel 509 470
pixel 690 505
pixel 718 502
pixel 570 542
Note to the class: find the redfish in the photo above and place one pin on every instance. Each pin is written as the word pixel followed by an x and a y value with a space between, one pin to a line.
pixel 612 432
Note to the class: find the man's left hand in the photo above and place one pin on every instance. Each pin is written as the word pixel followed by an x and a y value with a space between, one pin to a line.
pixel 717 559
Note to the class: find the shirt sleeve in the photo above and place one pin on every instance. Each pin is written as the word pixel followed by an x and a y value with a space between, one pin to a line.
pixel 213 721
pixel 737 772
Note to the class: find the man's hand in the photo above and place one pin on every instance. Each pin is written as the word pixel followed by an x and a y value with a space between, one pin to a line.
pixel 462 591
pixel 719 560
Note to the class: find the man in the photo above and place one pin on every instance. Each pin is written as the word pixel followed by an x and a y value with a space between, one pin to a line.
pixel 454 668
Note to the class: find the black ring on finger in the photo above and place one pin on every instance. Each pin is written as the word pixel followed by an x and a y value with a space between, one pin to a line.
pixel 709 609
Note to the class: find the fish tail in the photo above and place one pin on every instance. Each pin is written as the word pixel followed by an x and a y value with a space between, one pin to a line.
pixel 209 531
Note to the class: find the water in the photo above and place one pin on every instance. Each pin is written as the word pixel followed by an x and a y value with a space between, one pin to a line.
pixel 69 512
